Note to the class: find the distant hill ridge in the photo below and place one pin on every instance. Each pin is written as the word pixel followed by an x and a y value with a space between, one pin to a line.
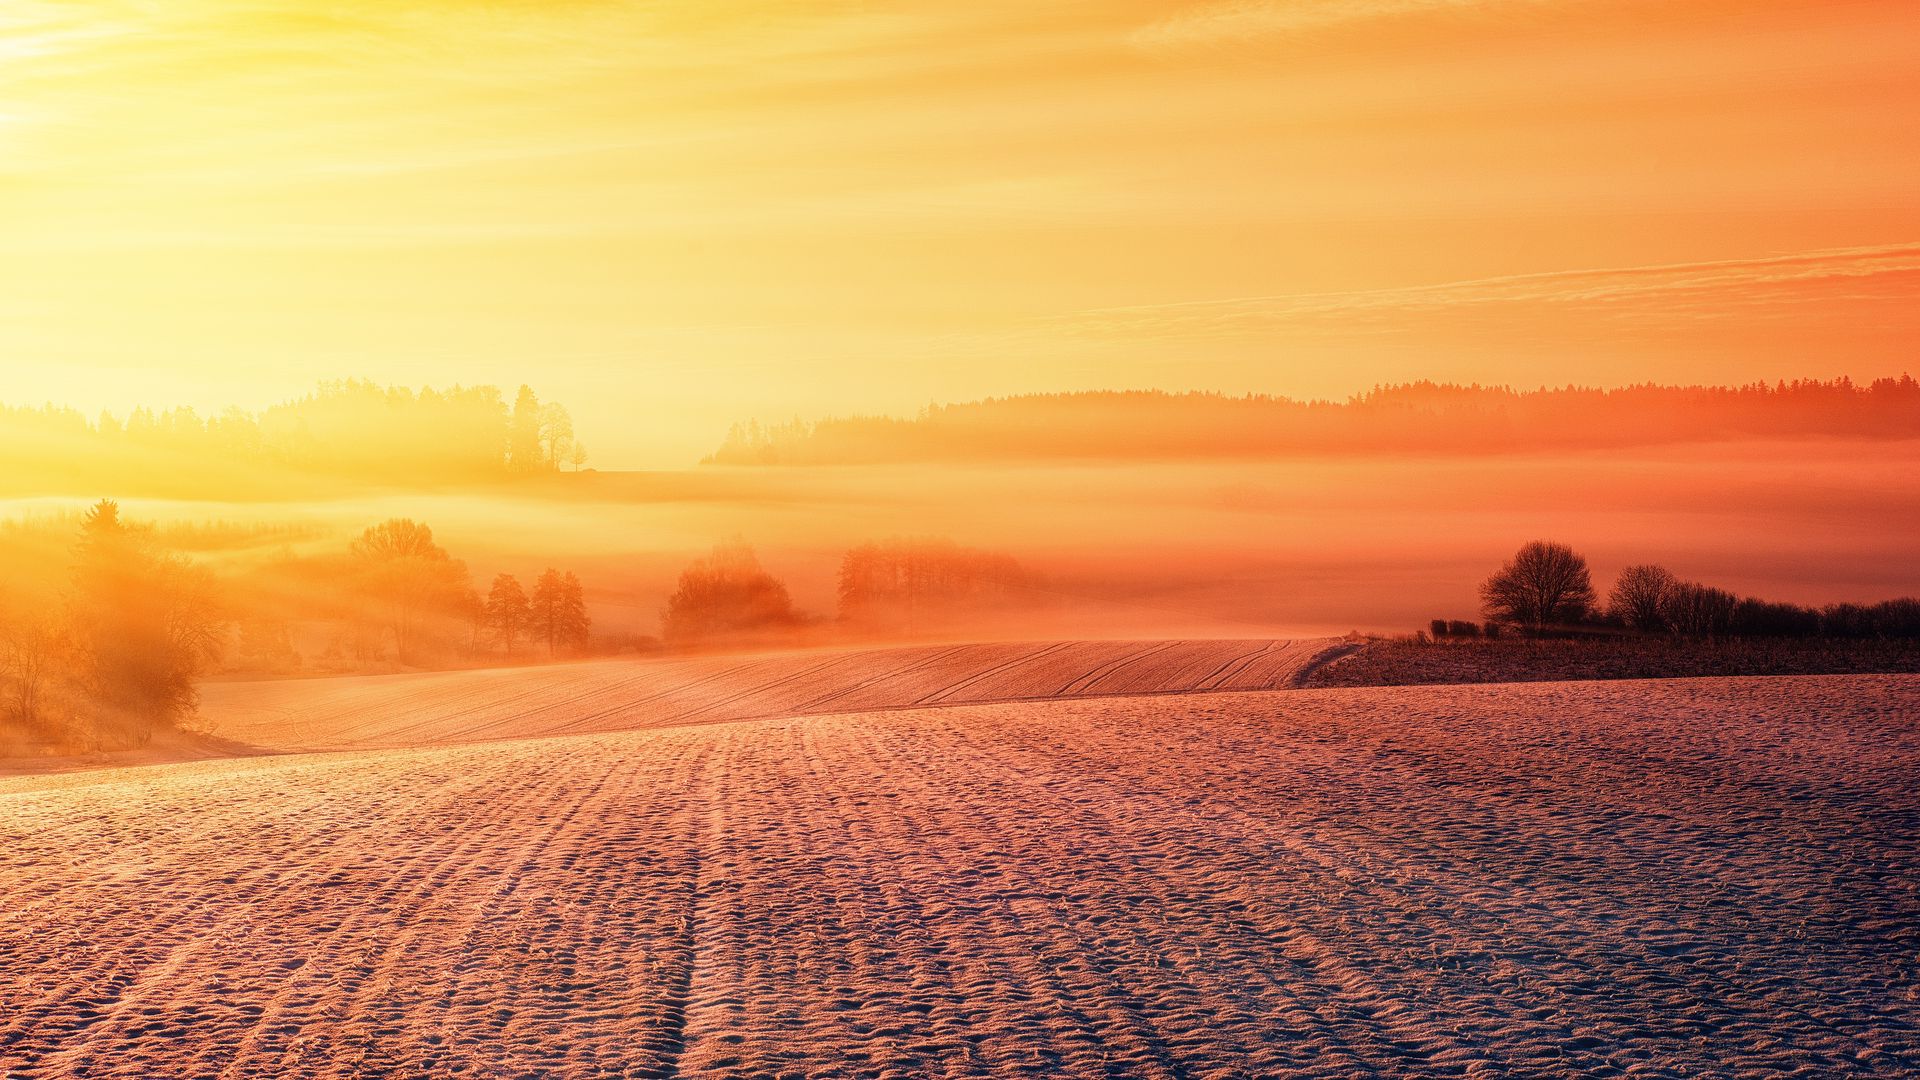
pixel 1420 416
pixel 349 433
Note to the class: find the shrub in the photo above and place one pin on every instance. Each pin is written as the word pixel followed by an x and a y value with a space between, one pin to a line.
pixel 1760 618
pixel 1897 618
pixel 1846 621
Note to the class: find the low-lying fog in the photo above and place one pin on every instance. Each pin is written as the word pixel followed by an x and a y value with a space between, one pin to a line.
pixel 1274 547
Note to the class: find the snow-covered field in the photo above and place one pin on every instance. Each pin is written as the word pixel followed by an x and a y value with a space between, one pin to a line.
pixel 623 695
pixel 1680 878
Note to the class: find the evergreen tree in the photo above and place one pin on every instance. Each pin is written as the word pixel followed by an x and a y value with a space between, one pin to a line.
pixel 525 453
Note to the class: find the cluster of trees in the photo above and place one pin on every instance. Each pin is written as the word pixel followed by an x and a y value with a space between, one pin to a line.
pixel 118 655
pixel 409 588
pixel 1423 416
pixel 555 613
pixel 104 638
pixel 1547 587
pixel 908 582
pixel 404 581
pixel 349 429
pixel 903 583
pixel 728 597
pixel 1652 600
pixel 540 437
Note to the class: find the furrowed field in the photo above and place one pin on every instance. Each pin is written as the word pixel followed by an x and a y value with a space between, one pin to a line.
pixel 979 861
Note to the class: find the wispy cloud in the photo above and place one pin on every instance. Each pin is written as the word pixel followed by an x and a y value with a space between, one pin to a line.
pixel 1700 287
pixel 1238 21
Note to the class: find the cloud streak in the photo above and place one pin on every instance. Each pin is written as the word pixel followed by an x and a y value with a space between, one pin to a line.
pixel 1699 286
pixel 1238 21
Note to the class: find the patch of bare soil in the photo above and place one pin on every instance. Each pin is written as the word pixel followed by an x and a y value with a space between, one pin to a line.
pixel 1672 879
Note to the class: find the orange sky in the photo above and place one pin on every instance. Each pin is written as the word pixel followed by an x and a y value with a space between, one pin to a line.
pixel 672 216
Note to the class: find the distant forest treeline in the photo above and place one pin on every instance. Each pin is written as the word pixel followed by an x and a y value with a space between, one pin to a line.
pixel 351 430
pixel 1422 416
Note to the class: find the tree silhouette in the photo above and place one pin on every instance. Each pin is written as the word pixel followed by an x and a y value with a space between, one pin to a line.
pixel 1545 584
pixel 726 595
pixel 406 576
pixel 906 580
pixel 1698 610
pixel 546 603
pixel 1154 424
pixel 35 648
pixel 574 622
pixel 556 432
pixel 507 610
pixel 147 624
pixel 473 607
pixel 559 610
pixel 524 453
pixel 1752 617
pixel 1639 597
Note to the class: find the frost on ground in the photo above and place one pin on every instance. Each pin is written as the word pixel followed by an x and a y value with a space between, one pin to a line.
pixel 1510 659
pixel 1680 878
pixel 621 695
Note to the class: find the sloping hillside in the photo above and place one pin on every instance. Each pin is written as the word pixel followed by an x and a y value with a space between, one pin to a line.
pixel 1682 878
pixel 442 707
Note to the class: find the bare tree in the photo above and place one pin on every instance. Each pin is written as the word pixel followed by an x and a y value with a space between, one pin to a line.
pixel 507 610
pixel 575 624
pixel 1699 610
pixel 473 607
pixel 1545 584
pixel 407 576
pixel 1639 597
pixel 556 433
pixel 146 623
pixel 559 611
pixel 546 603
pixel 35 649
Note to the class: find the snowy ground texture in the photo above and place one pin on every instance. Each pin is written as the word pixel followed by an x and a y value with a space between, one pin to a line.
pixel 1680 878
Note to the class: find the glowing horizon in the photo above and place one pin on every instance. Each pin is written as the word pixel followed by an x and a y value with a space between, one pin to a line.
pixel 677 220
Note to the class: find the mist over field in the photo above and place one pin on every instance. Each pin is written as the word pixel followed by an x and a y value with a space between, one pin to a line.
pixel 1101 539
pixel 1373 543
